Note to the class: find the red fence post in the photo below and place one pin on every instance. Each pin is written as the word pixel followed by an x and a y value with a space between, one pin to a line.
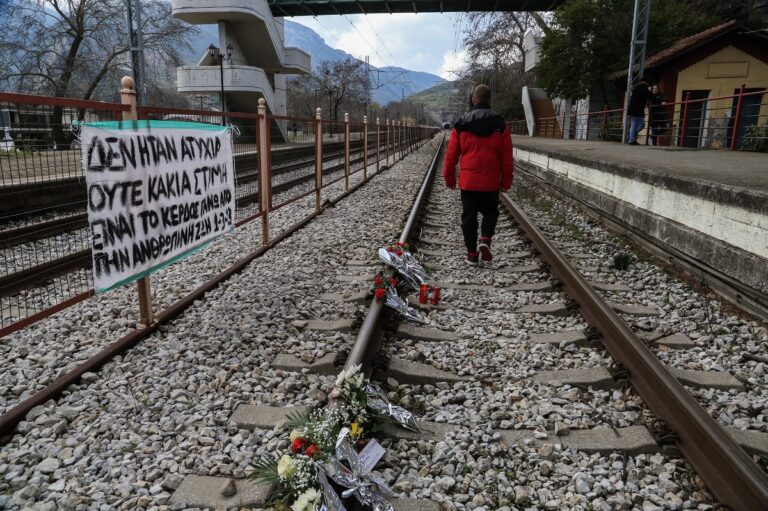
pixel 388 143
pixel 318 156
pixel 684 126
pixel 736 119
pixel 346 152
pixel 378 144
pixel 605 120
pixel 264 173
pixel 365 148
pixel 143 286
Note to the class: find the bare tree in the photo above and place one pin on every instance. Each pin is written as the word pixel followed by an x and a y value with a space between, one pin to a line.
pixel 496 54
pixel 345 81
pixel 66 48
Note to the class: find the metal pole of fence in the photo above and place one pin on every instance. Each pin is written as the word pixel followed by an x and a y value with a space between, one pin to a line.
pixel 346 152
pixel 736 119
pixel 264 173
pixel 318 156
pixel 143 285
pixel 605 122
pixel 365 148
pixel 684 126
pixel 378 143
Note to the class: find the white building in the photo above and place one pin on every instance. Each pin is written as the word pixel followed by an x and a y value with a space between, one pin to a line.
pixel 259 63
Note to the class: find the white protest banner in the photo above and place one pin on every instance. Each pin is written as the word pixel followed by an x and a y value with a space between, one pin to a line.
pixel 157 191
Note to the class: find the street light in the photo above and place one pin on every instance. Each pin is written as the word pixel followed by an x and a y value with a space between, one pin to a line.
pixel 215 54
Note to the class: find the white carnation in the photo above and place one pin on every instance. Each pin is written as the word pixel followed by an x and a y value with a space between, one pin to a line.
pixel 307 501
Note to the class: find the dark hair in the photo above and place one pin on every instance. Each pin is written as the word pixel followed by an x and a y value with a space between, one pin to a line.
pixel 482 94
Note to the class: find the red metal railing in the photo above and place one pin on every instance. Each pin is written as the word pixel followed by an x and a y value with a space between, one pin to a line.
pixel 737 121
pixel 299 158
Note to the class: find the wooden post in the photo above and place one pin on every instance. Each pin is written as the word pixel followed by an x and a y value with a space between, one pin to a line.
pixel 365 148
pixel 378 143
pixel 264 173
pixel 318 156
pixel 143 285
pixel 736 119
pixel 346 152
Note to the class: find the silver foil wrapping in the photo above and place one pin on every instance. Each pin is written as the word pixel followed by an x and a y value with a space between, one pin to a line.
pixel 367 487
pixel 407 266
pixel 379 402
pixel 394 301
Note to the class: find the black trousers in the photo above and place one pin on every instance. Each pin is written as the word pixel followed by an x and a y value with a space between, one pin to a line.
pixel 485 203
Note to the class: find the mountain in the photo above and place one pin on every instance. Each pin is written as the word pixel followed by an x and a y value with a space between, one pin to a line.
pixel 389 83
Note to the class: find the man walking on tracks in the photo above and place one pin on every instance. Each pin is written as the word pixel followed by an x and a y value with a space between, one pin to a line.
pixel 482 146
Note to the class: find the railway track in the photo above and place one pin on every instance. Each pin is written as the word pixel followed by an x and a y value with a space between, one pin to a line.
pixel 457 395
pixel 731 474
pixel 29 277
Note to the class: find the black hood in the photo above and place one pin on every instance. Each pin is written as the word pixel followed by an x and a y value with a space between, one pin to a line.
pixel 481 122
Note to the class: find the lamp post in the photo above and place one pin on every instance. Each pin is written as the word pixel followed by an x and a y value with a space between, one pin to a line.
pixel 216 54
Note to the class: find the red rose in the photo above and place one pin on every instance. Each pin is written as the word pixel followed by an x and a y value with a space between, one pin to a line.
pixel 393 281
pixel 311 450
pixel 380 293
pixel 398 252
pixel 400 243
pixel 378 281
pixel 298 444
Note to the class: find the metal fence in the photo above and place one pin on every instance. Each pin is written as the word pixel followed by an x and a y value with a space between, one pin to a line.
pixel 44 236
pixel 735 122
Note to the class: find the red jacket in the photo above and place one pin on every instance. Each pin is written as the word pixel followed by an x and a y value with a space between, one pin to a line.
pixel 482 146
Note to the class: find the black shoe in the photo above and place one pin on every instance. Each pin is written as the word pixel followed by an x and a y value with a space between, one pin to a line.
pixel 633 143
pixel 471 258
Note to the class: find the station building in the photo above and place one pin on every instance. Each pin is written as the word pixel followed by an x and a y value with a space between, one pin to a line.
pixel 713 65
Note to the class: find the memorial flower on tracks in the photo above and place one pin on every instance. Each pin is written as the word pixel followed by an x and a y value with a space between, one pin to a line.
pixel 323 447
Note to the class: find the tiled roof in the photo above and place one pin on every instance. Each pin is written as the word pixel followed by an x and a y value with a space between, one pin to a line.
pixel 686 44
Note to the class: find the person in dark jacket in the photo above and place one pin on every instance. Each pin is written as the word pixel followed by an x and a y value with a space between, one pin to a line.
pixel 636 110
pixel 657 113
pixel 482 146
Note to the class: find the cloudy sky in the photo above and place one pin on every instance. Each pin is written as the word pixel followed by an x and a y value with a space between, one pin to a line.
pixel 420 42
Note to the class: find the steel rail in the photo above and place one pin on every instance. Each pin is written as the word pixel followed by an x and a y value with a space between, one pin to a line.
pixel 729 472
pixel 10 419
pixel 371 332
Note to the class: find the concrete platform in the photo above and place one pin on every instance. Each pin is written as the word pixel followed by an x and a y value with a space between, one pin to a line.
pixel 707 205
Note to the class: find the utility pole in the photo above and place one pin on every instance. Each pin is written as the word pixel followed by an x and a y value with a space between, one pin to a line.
pixel 640 23
pixel 136 40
